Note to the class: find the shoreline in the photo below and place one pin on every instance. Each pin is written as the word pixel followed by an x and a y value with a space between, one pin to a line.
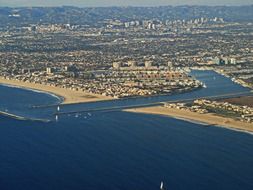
pixel 60 98
pixel 65 96
pixel 206 120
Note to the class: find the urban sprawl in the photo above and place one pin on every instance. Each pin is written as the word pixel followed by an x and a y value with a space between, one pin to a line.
pixel 126 57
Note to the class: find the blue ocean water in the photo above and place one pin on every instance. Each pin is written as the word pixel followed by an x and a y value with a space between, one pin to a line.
pixel 119 150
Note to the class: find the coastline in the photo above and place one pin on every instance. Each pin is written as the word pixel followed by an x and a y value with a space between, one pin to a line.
pixel 208 119
pixel 66 96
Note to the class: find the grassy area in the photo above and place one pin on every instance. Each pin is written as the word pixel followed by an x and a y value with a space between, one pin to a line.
pixel 222 112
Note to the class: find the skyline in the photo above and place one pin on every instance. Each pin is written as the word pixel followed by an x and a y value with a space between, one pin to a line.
pixel 108 3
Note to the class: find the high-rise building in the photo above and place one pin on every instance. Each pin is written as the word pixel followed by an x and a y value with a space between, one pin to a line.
pixel 145 23
pixel 149 25
pixel 116 65
pixel 127 24
pixel 148 64
pixel 170 64
pixel 217 61
pixel 226 61
pixel 49 70
pixel 233 61
pixel 132 64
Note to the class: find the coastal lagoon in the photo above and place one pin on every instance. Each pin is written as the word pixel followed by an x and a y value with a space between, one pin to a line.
pixel 120 150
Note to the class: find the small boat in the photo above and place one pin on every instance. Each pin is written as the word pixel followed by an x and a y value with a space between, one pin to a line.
pixel 58 108
pixel 161 186
pixel 89 114
pixel 56 118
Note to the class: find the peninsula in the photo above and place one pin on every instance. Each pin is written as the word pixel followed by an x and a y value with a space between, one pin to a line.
pixel 69 96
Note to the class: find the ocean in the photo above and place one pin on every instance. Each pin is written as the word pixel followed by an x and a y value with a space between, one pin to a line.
pixel 118 150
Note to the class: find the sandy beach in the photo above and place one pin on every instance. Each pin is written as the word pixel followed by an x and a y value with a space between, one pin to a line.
pixel 208 118
pixel 69 96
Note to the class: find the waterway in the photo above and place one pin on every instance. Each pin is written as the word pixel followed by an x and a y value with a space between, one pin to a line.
pixel 119 150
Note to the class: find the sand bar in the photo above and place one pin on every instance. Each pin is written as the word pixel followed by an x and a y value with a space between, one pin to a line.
pixel 69 96
pixel 209 118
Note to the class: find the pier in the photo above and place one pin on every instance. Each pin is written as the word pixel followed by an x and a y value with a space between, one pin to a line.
pixel 13 116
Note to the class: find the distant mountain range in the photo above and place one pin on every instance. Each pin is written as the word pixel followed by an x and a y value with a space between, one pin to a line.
pixel 92 16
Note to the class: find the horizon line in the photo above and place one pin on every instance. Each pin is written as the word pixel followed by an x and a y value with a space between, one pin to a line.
pixel 126 6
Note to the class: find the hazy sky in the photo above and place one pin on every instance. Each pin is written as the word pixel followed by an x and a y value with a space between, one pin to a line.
pixel 85 3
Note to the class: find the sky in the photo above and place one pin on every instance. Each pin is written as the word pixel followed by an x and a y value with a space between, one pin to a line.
pixel 102 3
